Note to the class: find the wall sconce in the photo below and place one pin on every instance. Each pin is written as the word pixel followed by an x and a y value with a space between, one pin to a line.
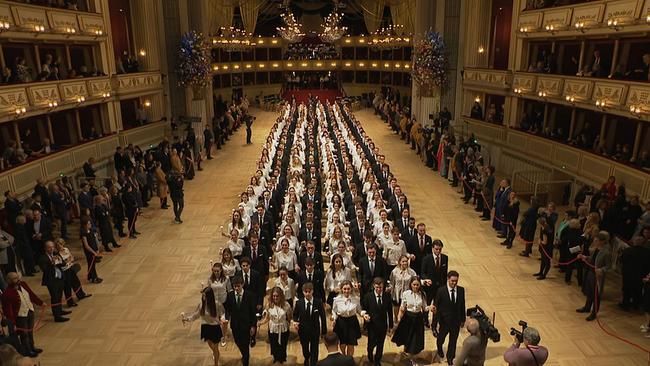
pixel 525 30
pixel 374 64
pixel 647 18
pixel 248 66
pixel 52 104
pixel 215 68
pixel 290 64
pixel 275 65
pixel 613 23
pixel 147 104
pixel 601 103
pixel 106 95
pixel 542 94
pixel 4 26
pixel 386 65
pixel 80 99
pixel 362 64
pixel 551 28
pixel 635 110
pixel 142 52
pixel 274 41
pixel 333 64
pixel 39 28
pixel 69 30
pixel 518 90
pixel 20 111
pixel 580 26
pixel 477 99
pixel 481 49
pixel 571 99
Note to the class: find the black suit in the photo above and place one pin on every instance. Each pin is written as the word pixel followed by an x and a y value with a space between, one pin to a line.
pixel 451 316
pixel 399 223
pixel 337 359
pixel 45 229
pixel 381 319
pixel 365 276
pixel 317 258
pixel 242 318
pixel 407 234
pixel 261 262
pixel 413 247
pixel 255 285
pixel 356 234
pixel 53 279
pixel 437 274
pixel 304 236
pixel 317 279
pixel 310 327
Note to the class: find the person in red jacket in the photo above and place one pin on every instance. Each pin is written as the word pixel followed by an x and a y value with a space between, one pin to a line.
pixel 18 302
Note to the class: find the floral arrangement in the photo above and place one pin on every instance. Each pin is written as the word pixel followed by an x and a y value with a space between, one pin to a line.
pixel 193 67
pixel 430 61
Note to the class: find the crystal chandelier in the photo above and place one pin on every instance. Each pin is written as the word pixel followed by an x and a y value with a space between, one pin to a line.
pixel 292 31
pixel 387 37
pixel 332 30
pixel 233 39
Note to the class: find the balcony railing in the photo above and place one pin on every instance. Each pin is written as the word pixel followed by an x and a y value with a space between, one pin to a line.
pixel 29 21
pixel 21 179
pixel 557 155
pixel 291 65
pixel 24 100
pixel 488 78
pixel 594 17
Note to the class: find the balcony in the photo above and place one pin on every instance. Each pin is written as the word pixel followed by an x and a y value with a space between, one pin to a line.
pixel 38 22
pixel 621 97
pixel 24 100
pixel 559 156
pixel 308 65
pixel 592 18
pixel 137 83
pixel 488 78
pixel 21 178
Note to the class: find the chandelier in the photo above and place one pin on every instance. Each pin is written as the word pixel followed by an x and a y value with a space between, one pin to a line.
pixel 332 30
pixel 387 37
pixel 292 31
pixel 233 39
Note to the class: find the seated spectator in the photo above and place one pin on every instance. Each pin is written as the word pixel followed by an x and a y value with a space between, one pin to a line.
pixel 599 66
pixel 642 73
pixel 477 111
pixel 7 76
pixel 22 72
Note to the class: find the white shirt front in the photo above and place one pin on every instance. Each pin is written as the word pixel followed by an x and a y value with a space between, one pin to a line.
pixel 413 302
pixel 345 306
pixel 25 302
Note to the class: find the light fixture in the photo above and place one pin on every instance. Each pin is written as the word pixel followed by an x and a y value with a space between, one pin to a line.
pixel 290 64
pixel 248 66
pixel 236 67
pixel 518 90
pixel 348 40
pixel 613 23
pixel 481 49
pixel 635 109
pixel 69 30
pixel 147 103
pixel 275 65
pixel 332 28
pixel 601 103
pixel 98 32
pixel 647 18
pixel 374 64
pixel 4 26
pixel 106 95
pixel 261 66
pixel 571 99
pixel 333 64
pixel 542 94
pixel 292 30
pixel 142 52
pixel 81 99
pixel 52 104
pixel 580 26
pixel 20 111
pixel 233 39
pixel 477 99
pixel 387 37
pixel 215 68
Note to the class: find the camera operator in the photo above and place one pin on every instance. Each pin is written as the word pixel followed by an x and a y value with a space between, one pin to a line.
pixel 473 351
pixel 531 355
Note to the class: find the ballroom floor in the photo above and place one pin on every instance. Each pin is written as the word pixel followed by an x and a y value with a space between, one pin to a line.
pixel 133 317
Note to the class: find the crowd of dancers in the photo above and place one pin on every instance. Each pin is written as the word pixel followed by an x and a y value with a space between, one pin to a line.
pixel 323 196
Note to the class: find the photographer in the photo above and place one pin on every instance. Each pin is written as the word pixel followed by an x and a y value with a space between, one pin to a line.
pixel 473 351
pixel 531 355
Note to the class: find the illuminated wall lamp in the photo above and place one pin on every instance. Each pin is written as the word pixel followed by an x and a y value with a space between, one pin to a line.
pixel 106 95
pixel 386 65
pixel 20 111
pixel 142 52
pixel 80 99
pixel 4 26
pixel 52 104
pixel 248 66
pixel 215 68
pixel 147 104
pixel 276 65
pixel 542 94
pixel 481 49
pixel 571 99
pixel 580 26
pixel 69 30
pixel 477 99
pixel 39 28
pixel 518 90
pixel 374 64
pixel 635 110
pixel 601 103
pixel 647 18
pixel 613 23
pixel 333 64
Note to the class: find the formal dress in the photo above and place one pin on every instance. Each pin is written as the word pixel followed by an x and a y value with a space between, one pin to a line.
pixel 410 329
pixel 344 314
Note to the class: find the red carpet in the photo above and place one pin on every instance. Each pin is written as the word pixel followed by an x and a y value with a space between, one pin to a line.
pixel 322 94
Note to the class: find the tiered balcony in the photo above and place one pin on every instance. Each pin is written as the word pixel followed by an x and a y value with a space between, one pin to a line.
pixel 594 17
pixel 43 97
pixel 308 65
pixel 488 78
pixel 559 156
pixel 21 179
pixel 30 22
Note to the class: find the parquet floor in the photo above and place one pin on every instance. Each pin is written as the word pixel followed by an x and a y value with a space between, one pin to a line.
pixel 133 317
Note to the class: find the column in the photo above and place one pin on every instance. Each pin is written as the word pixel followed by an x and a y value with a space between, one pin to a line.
pixel 476 25
pixel 145 17
pixel 572 126
pixel 637 140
